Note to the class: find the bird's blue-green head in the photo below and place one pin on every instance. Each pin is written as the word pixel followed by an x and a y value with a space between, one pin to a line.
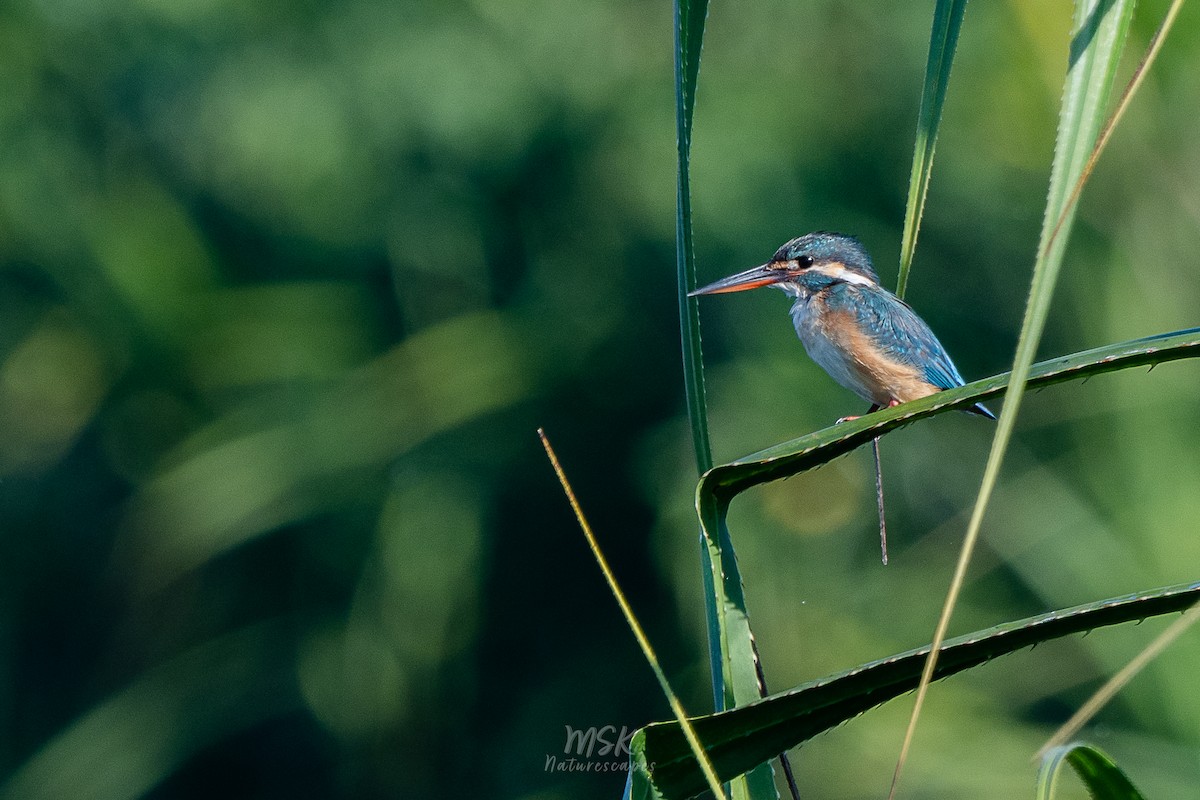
pixel 810 261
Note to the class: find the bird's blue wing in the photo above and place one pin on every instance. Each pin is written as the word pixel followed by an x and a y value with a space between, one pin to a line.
pixel 898 331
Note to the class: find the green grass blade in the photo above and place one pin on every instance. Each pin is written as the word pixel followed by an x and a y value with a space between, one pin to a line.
pixel 738 739
pixel 730 644
pixel 1101 27
pixel 690 16
pixel 722 483
pixel 943 41
pixel 1100 774
pixel 639 785
pixel 739 675
pixel 638 633
pixel 689 36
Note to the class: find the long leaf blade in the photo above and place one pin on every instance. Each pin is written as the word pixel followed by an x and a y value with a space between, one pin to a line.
pixel 730 643
pixel 812 450
pixel 736 740
pixel 943 42
pixel 689 36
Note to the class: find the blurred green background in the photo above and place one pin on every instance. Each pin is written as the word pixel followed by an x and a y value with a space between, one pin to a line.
pixel 285 289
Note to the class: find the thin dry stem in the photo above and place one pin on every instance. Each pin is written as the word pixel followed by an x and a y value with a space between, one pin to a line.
pixel 991 474
pixel 689 732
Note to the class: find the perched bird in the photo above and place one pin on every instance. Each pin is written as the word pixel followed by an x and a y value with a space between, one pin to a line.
pixel 866 338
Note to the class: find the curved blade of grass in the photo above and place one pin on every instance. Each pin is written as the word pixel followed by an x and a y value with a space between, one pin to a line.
pixel 722 483
pixel 731 649
pixel 639 634
pixel 1100 774
pixel 689 35
pixel 738 739
pixel 1101 27
pixel 1118 681
pixel 737 649
pixel 943 41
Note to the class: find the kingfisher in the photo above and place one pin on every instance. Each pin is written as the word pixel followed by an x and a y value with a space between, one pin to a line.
pixel 866 338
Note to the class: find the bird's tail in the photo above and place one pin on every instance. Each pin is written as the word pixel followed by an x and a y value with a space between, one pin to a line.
pixel 982 410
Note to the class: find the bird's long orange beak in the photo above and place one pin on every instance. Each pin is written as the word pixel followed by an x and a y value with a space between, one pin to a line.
pixel 762 275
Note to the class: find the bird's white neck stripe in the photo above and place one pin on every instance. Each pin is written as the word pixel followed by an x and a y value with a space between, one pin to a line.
pixel 839 272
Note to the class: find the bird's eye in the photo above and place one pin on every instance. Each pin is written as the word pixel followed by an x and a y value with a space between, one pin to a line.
pixel 804 261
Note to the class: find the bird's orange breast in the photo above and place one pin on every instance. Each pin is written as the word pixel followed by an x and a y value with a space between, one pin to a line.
pixel 886 378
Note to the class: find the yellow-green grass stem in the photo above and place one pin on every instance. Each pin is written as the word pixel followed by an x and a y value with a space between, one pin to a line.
pixel 638 633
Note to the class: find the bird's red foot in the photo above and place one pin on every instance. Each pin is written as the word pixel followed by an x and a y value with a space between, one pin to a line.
pixel 891 404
